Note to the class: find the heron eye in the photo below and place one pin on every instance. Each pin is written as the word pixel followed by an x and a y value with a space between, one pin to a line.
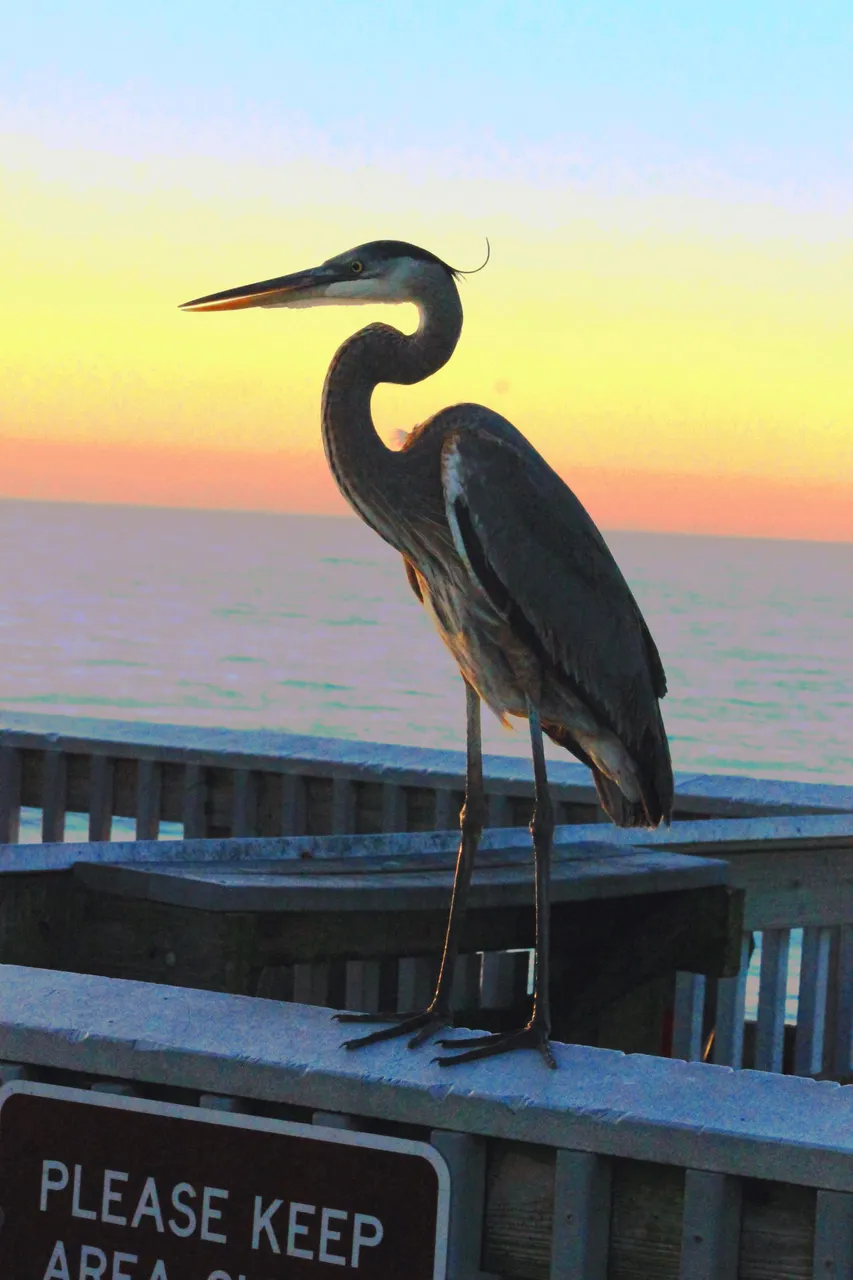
pixel 357 267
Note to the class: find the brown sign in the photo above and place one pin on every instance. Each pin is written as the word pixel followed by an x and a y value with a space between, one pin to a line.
pixel 99 1187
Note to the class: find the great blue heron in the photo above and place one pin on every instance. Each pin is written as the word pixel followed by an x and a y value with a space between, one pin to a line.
pixel 511 568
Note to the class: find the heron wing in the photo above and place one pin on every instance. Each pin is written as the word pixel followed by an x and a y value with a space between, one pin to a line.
pixel 530 546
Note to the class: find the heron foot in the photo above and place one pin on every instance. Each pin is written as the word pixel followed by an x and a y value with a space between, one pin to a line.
pixel 424 1025
pixel 533 1036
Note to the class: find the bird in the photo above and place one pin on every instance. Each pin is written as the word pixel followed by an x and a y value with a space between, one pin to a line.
pixel 513 572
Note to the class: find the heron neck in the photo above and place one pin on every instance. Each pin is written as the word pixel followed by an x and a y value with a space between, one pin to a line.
pixel 372 477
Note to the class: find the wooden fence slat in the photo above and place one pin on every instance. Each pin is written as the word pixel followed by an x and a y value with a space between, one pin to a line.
pixel 731 999
pixel 393 807
pixel 843 1047
pixel 293 805
pixel 467 975
pixel 343 806
pixel 710 1238
pixel 811 1005
pixel 149 788
pixel 415 982
pixel 54 789
pixel 10 794
pixel 362 986
pixel 101 797
pixel 311 984
pixel 687 1016
pixel 466 1160
pixel 195 795
pixel 502 978
pixel 772 995
pixel 446 811
pixel 244 814
pixel 580 1243
pixel 833 1236
pixel 499 810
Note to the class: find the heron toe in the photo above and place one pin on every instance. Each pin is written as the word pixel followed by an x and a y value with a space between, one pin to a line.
pixel 423 1024
pixel 533 1036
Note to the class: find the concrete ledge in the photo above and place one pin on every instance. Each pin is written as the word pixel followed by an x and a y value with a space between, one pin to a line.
pixel 692 1115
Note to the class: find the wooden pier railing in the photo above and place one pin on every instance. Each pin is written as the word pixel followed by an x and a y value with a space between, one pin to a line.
pixel 789 847
pixel 218 782
pixel 610 1168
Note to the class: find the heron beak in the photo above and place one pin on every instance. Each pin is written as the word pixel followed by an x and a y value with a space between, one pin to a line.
pixel 284 291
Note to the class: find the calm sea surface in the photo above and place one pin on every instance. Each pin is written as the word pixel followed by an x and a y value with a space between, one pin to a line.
pixel 308 624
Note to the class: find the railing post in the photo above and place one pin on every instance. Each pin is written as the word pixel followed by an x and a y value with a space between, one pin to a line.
pixel 292 804
pixel 465 1156
pixel 244 812
pixel 54 796
pixel 580 1243
pixel 446 812
pixel 731 998
pixel 833 1236
pixel 710 1236
pixel 687 1016
pixel 843 1048
pixel 772 997
pixel 393 807
pixel 10 794
pixel 362 986
pixel 811 1006
pixel 101 797
pixel 195 795
pixel 148 798
pixel 343 806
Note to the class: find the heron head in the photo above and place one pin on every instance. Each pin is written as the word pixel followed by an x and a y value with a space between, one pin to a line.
pixel 381 271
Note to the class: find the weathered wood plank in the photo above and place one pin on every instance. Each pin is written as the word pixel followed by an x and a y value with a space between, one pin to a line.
pixel 646 1225
pixel 519 1211
pixel 777 1231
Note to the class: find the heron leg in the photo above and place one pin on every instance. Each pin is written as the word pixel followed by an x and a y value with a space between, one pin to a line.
pixel 437 1014
pixel 535 1034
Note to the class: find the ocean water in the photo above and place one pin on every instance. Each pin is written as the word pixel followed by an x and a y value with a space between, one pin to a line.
pixel 308 624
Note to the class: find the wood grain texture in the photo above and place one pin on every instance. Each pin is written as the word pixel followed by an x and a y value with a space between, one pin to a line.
pixel 646 1223
pixel 777 1231
pixel 519 1211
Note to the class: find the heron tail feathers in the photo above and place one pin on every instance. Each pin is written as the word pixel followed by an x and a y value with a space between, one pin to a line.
pixel 621 811
pixel 655 801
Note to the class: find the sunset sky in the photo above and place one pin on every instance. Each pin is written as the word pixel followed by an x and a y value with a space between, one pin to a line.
pixel 668 192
